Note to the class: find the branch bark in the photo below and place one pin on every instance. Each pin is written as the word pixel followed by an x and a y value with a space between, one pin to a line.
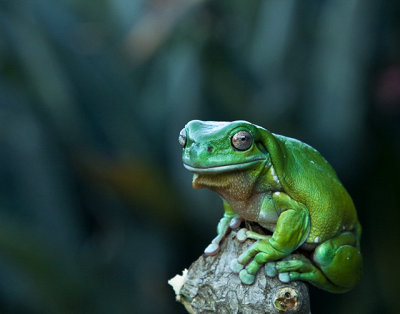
pixel 211 287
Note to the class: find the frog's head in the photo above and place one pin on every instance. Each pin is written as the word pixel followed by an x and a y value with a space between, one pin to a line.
pixel 218 147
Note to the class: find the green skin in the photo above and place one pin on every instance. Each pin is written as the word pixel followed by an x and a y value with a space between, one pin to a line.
pixel 287 187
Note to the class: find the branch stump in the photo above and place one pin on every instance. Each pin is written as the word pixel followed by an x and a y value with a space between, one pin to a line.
pixel 210 286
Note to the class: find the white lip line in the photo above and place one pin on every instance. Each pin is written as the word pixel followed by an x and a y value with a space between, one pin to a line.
pixel 220 168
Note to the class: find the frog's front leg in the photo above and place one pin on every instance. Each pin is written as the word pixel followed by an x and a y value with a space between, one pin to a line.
pixel 229 220
pixel 292 229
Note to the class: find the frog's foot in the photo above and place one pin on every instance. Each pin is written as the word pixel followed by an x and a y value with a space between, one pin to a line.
pixel 212 249
pixel 294 267
pixel 225 224
pixel 244 234
pixel 235 222
pixel 298 267
pixel 247 275
pixel 244 275
pixel 254 258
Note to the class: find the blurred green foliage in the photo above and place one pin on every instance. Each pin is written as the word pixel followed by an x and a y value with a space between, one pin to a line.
pixel 96 211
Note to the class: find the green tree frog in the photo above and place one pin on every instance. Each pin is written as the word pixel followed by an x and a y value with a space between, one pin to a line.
pixel 286 187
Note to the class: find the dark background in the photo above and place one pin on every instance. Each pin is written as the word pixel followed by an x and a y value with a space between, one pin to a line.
pixel 96 210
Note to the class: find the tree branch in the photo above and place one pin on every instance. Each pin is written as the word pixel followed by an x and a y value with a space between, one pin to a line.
pixel 210 286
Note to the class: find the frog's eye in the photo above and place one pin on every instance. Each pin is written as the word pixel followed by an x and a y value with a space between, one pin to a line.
pixel 242 140
pixel 182 138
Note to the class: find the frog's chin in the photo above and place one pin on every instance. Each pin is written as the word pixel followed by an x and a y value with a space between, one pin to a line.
pixel 223 168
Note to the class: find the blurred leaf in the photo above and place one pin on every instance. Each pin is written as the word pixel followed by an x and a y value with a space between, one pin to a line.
pixel 52 280
pixel 137 182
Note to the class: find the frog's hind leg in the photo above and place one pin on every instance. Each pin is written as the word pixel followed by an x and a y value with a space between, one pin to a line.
pixel 340 260
pixel 299 267
pixel 336 268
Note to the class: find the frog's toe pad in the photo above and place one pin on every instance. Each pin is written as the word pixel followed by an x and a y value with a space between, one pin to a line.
pixel 284 277
pixel 245 277
pixel 236 266
pixel 270 269
pixel 241 235
pixel 212 249
pixel 235 223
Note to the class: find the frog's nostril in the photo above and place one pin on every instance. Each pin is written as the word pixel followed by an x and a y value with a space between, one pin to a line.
pixel 209 149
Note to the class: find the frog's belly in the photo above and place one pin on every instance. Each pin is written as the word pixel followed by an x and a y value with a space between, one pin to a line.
pixel 248 209
pixel 267 218
pixel 269 226
pixel 260 209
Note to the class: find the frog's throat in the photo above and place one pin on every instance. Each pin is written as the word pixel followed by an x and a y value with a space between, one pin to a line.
pixel 223 168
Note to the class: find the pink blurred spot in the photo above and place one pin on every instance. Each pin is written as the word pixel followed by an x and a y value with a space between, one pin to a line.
pixel 388 90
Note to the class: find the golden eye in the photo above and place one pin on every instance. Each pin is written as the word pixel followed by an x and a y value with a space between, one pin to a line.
pixel 182 138
pixel 242 140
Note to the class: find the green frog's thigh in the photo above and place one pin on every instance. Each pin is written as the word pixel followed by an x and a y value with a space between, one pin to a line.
pixel 336 265
pixel 340 260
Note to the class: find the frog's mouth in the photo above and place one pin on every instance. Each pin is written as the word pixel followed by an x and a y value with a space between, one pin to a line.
pixel 223 168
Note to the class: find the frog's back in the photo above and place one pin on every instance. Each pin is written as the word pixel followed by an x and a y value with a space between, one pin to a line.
pixel 308 178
